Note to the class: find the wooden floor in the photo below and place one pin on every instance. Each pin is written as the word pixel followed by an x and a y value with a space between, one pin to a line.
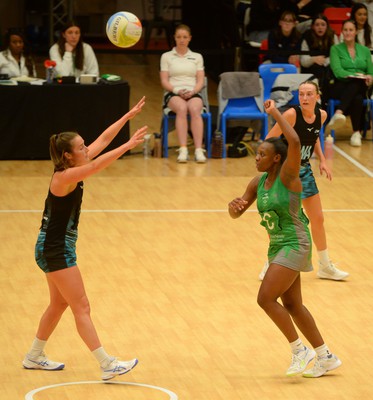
pixel 173 280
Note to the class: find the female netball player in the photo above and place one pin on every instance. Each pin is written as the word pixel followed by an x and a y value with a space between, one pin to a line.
pixel 307 120
pixel 55 248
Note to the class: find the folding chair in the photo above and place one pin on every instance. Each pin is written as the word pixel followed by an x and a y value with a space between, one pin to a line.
pixel 240 97
pixel 206 115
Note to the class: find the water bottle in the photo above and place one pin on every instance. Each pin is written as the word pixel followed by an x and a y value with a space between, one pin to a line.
pixel 146 145
pixel 157 151
pixel 217 145
pixel 49 74
pixel 328 149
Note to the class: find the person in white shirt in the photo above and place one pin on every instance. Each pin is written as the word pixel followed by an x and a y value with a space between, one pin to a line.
pixel 72 56
pixel 15 60
pixel 182 77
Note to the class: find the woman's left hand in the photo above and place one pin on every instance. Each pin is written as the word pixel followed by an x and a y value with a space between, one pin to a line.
pixel 369 80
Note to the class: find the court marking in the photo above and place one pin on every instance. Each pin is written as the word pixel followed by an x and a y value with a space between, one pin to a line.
pixel 30 395
pixel 191 211
pixel 353 161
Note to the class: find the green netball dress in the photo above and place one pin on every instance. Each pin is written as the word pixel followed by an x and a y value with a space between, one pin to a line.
pixel 287 226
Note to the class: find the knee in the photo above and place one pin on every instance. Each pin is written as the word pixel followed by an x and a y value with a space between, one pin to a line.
pixel 81 306
pixel 264 301
pixel 318 219
pixel 291 308
pixel 59 306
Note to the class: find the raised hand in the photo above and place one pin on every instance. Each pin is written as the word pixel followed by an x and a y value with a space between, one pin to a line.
pixel 137 137
pixel 136 109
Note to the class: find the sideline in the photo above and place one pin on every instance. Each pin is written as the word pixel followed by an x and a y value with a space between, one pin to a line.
pixel 353 161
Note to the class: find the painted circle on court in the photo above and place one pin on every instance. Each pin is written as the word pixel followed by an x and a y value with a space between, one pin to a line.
pixel 30 395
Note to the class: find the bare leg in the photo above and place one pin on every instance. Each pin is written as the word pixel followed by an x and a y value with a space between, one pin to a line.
pixel 283 282
pixel 313 208
pixel 196 123
pixel 180 108
pixel 292 301
pixel 67 288
pixel 276 282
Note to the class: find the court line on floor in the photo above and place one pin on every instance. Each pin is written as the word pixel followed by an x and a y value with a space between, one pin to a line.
pixel 30 395
pixel 353 161
pixel 191 211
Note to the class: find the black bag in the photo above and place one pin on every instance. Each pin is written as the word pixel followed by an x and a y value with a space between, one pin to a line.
pixel 237 148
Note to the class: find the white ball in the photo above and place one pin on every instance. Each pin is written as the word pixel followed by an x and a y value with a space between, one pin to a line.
pixel 123 29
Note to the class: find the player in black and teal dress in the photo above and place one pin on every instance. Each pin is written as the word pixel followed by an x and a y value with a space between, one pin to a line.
pixel 307 120
pixel 55 248
pixel 278 195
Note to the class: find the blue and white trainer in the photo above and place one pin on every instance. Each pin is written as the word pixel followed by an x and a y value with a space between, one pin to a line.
pixel 116 367
pixel 42 362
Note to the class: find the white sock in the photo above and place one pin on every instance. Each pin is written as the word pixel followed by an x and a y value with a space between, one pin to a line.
pixel 322 351
pixel 297 346
pixel 324 257
pixel 102 357
pixel 37 347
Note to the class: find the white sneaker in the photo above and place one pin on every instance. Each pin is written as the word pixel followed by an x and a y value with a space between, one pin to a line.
pixel 355 139
pixel 183 155
pixel 331 272
pixel 322 366
pixel 116 367
pixel 264 271
pixel 337 121
pixel 42 362
pixel 300 361
pixel 199 156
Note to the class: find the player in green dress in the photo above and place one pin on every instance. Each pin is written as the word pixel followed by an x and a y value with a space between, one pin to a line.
pixel 278 195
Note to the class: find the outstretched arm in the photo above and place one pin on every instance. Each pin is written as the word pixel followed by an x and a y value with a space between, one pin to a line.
pixel 109 134
pixel 76 174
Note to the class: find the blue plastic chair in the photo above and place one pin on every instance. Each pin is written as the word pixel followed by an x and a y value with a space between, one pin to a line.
pixel 239 108
pixel 206 115
pixel 269 73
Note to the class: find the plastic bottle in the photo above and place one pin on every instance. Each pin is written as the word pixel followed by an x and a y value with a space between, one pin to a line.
pixel 157 151
pixel 328 149
pixel 217 145
pixel 146 146
pixel 49 74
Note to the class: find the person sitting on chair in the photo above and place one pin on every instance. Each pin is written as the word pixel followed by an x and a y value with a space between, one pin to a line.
pixel 182 77
pixel 352 66
pixel 16 60
pixel 72 55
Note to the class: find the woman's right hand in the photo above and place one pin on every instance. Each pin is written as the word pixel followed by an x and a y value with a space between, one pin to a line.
pixel 68 47
pixel 137 138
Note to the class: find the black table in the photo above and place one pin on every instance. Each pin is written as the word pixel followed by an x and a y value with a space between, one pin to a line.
pixel 30 114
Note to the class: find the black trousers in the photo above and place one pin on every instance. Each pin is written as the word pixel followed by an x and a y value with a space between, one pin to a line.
pixel 351 94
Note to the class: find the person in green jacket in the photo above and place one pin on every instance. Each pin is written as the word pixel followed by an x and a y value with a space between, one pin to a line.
pixel 352 66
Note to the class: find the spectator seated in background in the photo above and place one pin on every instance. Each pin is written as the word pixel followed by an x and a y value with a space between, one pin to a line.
pixel 318 40
pixel 15 60
pixel 352 66
pixel 182 76
pixel 264 16
pixel 304 11
pixel 72 56
pixel 285 38
pixel 359 14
